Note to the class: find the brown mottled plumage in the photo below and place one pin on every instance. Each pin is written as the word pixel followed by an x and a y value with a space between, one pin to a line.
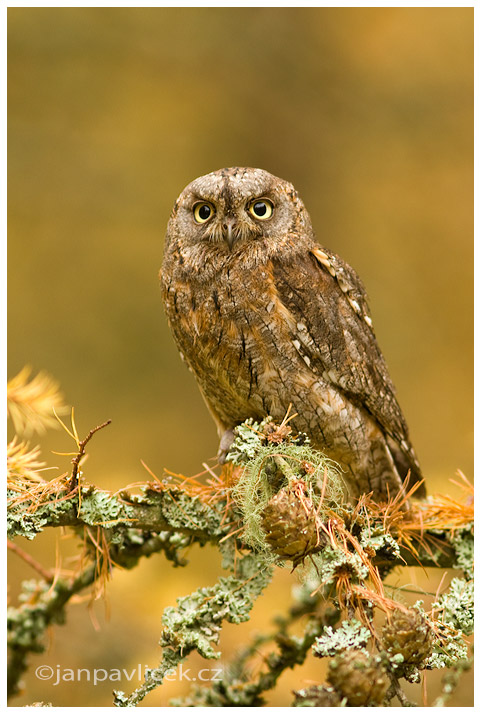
pixel 266 318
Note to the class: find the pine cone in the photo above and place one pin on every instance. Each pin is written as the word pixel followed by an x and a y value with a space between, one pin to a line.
pixel 291 526
pixel 409 634
pixel 317 696
pixel 359 677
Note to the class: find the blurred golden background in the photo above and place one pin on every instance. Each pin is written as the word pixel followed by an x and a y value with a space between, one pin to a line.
pixel 112 111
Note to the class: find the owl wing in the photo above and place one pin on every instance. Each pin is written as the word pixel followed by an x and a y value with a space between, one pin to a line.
pixel 334 331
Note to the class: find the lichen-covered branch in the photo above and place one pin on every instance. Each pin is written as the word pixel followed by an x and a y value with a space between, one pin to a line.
pixel 175 510
pixel 279 503
pixel 155 509
pixel 27 624
pixel 44 602
pixel 242 684
pixel 196 622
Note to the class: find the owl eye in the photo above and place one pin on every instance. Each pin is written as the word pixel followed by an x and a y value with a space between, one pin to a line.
pixel 261 208
pixel 203 211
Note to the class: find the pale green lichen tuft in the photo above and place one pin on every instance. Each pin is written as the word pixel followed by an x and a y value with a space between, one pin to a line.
pixel 98 506
pixel 22 523
pixel 351 634
pixel 330 561
pixel 457 606
pixel 463 542
pixel 248 440
pixel 380 541
pixel 449 646
pixel 448 651
pixel 269 467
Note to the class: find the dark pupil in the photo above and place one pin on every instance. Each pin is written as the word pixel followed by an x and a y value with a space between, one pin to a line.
pixel 260 208
pixel 204 212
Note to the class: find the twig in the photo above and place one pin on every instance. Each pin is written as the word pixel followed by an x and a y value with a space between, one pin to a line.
pixel 81 452
pixel 404 701
pixel 32 619
pixel 46 574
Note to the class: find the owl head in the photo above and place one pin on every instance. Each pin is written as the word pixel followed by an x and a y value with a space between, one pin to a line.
pixel 237 211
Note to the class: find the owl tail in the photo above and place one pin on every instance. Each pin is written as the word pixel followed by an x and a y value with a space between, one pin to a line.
pixel 406 463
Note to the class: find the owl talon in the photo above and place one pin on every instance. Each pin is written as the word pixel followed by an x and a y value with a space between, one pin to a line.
pixel 226 441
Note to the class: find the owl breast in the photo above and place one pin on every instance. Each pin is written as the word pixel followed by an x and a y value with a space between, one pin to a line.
pixel 227 337
pixel 251 358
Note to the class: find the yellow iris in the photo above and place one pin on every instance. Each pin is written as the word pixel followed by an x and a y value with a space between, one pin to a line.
pixel 203 211
pixel 261 208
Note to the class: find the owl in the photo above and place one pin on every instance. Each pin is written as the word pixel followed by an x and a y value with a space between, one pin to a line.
pixel 268 320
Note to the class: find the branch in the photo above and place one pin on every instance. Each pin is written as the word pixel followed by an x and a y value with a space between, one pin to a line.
pixel 278 506
pixel 196 623
pixel 81 452
pixel 27 624
pixel 47 600
pixel 159 508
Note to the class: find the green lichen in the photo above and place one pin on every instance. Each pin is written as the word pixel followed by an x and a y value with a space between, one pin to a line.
pixel 179 508
pixel 448 650
pixel 155 509
pixel 166 518
pixel 273 467
pixel 457 606
pixel 248 440
pixel 351 634
pixel 251 435
pixel 92 507
pixel 463 541
pixel 22 523
pixel 26 521
pixel 196 622
pixel 380 541
pixel 239 685
pixel 449 645
pixel 330 562
pixel 26 625
pixel 101 507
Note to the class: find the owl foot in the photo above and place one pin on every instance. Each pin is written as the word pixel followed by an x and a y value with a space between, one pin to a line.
pixel 226 441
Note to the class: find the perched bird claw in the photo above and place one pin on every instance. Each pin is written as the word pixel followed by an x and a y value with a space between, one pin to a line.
pixel 226 441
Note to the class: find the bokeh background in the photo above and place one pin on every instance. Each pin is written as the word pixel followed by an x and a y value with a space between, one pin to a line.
pixel 112 111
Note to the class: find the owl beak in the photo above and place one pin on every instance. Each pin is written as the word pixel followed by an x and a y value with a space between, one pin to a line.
pixel 228 232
